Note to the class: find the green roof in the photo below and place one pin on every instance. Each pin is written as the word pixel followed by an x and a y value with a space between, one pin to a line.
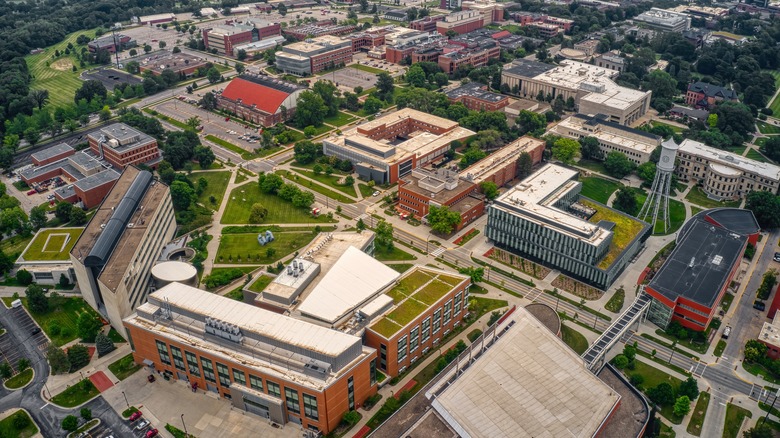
pixel 625 230
pixel 52 244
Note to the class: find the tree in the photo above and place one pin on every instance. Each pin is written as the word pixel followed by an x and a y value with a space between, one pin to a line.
pixel 36 298
pixel 663 85
pixel 182 195
pixel 38 217
pixel 208 101
pixel 765 207
pixel 416 77
pixel 193 122
pixel 213 75
pixel 625 201
pixel 384 235
pixel 147 48
pixel 385 86
pixel 525 165
pixel 89 90
pixel 205 156
pixel 566 150
pixel 489 189
pixel 646 171
pixel 258 213
pixel 530 122
pixel 270 183
pixel 690 388
pixel 682 406
pixel 663 394
pixel 5 370
pixel 475 274
pixel 442 220
pixel 620 361
pixel 282 9
pixel 58 360
pixel 589 146
pixel 20 420
pixel 360 225
pixel 78 355
pixel 303 199
pixel 133 52
pixel 88 326
pixel 760 430
pixel 32 135
pixel 62 211
pixel 40 97
pixel 70 423
pixel 372 105
pixel 241 55
pixel 24 277
pixel 103 345
pixel 86 414
pixel 618 165
pixel 78 216
pixel 735 117
pixel 311 109
pixel 64 281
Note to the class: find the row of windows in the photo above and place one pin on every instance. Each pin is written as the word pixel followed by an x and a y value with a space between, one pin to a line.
pixel 413 339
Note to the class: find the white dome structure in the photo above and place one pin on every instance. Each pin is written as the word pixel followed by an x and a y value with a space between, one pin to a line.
pixel 174 271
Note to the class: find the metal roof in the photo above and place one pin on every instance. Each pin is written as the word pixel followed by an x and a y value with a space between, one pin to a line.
pixel 52 152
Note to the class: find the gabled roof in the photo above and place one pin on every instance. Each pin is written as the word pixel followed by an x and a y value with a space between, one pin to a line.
pixel 253 91
pixel 710 90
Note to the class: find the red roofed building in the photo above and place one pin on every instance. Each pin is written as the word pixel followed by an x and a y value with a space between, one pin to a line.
pixel 260 99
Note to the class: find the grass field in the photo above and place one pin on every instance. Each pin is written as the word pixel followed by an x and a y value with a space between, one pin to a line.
pixel 260 284
pixel 279 211
pixel 124 367
pixel 218 182
pixel 756 155
pixel 574 339
pixel 233 246
pixel 396 253
pixel 328 180
pixel 64 313
pixel 76 394
pixel 592 165
pixel 7 427
pixel 340 119
pixel 699 412
pixel 735 415
pixel 52 244
pixel 365 190
pixel 231 147
pixel 766 128
pixel 368 68
pixel 598 189
pixel 20 379
pixel 626 229
pixel 697 196
pixel 676 129
pixel 316 187
pixel 13 246
pixel 57 77
pixel 676 215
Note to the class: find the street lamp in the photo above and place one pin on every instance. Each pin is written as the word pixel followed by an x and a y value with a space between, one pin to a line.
pixel 772 408
pixel 185 426
pixel 674 344
pixel 126 402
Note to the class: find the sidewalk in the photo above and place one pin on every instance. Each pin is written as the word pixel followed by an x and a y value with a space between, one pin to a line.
pixel 60 382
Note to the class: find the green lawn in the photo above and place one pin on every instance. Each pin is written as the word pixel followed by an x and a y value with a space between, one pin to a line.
pixel 767 128
pixel 20 379
pixel 403 267
pixel 653 376
pixel 676 129
pixel 328 180
pixel 13 246
pixel 697 196
pixel 231 147
pixel 756 155
pixel 735 415
pixel 124 367
pixel 340 119
pixel 574 339
pixel 719 348
pixel 367 68
pixel 76 394
pixel 676 216
pixel 695 210
pixel 8 429
pixel 592 165
pixel 626 229
pixel 699 412
pixel 279 211
pixel 598 189
pixel 383 254
pixel 233 246
pixel 52 244
pixel 58 76
pixel 615 303
pixel 63 313
pixel 260 284
pixel 315 187
pixel 365 190
pixel 217 183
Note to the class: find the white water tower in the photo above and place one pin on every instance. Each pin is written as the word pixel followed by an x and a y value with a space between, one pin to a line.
pixel 658 199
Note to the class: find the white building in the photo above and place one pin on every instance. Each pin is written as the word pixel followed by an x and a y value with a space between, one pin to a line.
pixel 635 144
pixel 666 21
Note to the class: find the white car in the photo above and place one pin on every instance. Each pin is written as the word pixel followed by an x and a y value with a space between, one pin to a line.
pixel 142 424
pixel 376 193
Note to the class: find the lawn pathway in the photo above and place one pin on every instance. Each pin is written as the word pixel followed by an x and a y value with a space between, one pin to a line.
pixel 215 231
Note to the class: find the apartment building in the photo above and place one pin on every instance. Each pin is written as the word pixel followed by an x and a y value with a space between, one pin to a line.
pixel 635 144
pixel 122 146
pixel 314 56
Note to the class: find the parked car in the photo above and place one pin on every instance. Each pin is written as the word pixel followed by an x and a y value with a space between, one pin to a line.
pixel 151 433
pixel 376 193
pixel 726 333
pixel 759 305
pixel 142 425
pixel 227 119
pixel 32 192
pixel 35 330
pixel 777 257
pixel 136 415
pixel 150 378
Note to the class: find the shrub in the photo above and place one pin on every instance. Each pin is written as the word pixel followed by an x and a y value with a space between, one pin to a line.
pixel 86 414
pixel 70 423
pixel 20 420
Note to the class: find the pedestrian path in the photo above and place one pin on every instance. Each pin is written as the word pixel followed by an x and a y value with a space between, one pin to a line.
pixel 438 251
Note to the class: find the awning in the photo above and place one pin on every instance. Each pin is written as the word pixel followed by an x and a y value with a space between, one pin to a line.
pixel 148 363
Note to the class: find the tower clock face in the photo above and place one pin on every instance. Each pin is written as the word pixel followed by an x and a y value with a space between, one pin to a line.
pixel 665 159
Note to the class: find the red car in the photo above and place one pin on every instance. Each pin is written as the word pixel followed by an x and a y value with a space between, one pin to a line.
pixel 227 119
pixel 32 192
pixel 151 433
pixel 136 415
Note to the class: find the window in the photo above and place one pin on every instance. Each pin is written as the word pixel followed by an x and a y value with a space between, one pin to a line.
pixel 402 349
pixel 426 329
pixel 162 349
pixel 414 339
pixel 224 374
pixel 372 372
pixel 291 397
pixel 310 407
pixel 178 361
pixel 208 370
pixel 436 320
pixel 447 311
pixel 273 388
pixel 256 383
pixel 239 377
pixel 383 356
pixel 192 363
pixel 466 297
pixel 351 392
pixel 458 298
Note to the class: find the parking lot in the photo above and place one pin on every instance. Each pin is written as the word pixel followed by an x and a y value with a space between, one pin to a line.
pixel 11 352
pixel 110 77
pixel 350 78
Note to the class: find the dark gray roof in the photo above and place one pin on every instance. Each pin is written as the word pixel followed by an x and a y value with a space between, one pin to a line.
pixel 710 90
pixel 85 161
pixel 51 152
pixel 475 90
pixel 97 179
pixel 690 112
pixel 700 264
pixel 397 13
pixel 736 220
pixel 528 68
pixel 64 164
pixel 127 137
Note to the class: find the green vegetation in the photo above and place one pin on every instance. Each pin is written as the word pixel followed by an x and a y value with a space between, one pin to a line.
pixel 406 312
pixel 695 210
pixel 115 336
pixel 9 426
pixel 384 254
pixel 697 196
pixel 328 180
pixel 340 119
pixel 598 189
pixel 279 211
pixel 766 128
pixel 401 267
pixel 675 128
pixel 467 237
pixel 758 156
pixel 719 348
pixel 59 322
pixel 666 431
pixel 735 415
pixel 52 244
pixel 407 285
pixel 316 187
pixel 615 303
pixel 76 394
pixel 626 229
pixel 217 183
pixel 244 248
pixel 20 379
pixel 223 276
pixel 474 334
pixel 237 149
pixel 574 339
pixel 124 367
pixel 367 68
pixel 13 246
pixel 592 165
pixel 260 283
pixel 365 190
pixel 699 412
pixel 177 433
pixel 129 411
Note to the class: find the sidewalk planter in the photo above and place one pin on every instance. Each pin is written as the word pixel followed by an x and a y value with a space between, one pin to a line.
pixel 20 377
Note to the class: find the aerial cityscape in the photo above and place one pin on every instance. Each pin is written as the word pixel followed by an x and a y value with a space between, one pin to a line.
pixel 399 219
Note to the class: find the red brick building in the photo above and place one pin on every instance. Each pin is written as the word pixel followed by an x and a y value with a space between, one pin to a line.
pixel 422 188
pixel 260 99
pixel 701 95
pixel 473 56
pixel 426 24
pixel 475 96
pixel 122 146
pixel 460 22
pixel 224 38
pixel 368 38
pixel 500 167
pixel 52 154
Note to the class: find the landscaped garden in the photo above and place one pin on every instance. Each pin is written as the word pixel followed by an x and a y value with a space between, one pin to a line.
pixel 676 215
pixel 18 425
pixel 598 189
pixel 217 183
pixel 242 198
pixel 624 232
pixel 767 128
pixel 245 249
pixel 756 155
pixel 59 322
pixel 20 379
pixel 340 119
pixel 124 367
pixel 332 180
pixel 260 283
pixel 52 244
pixel 76 394
pixel 526 266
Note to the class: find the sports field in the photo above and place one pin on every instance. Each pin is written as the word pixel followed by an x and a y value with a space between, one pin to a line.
pixel 52 244
pixel 56 74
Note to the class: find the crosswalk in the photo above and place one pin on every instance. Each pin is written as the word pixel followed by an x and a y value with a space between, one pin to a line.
pixel 438 251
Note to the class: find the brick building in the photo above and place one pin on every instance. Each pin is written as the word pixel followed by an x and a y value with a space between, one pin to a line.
pixel 314 56
pixel 122 146
pixel 475 52
pixel 426 24
pixel 368 39
pixel 500 167
pixel 701 95
pixel 260 99
pixel 423 188
pixel 112 43
pixel 491 11
pixel 52 154
pixel 475 96
pixel 320 28
pixel 460 22
pixel 225 37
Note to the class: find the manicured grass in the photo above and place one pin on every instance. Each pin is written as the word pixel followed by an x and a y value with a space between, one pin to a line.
pixel 115 336
pixel 699 412
pixel 757 369
pixel 260 283
pixel 574 339
pixel 328 180
pixel 697 196
pixel 20 379
pixel 383 254
pixel 676 129
pixel 233 246
pixel 615 303
pixel 76 394
pixel 64 312
pixel 735 415
pixel 279 211
pixel 231 147
pixel 756 155
pixel 217 183
pixel 760 141
pixel 719 348
pixel 598 189
pixel 124 367
pixel 401 267
pixel 767 128
pixel 367 68
pixel 666 431
pixel 365 190
pixel 52 244
pixel 474 334
pixel 653 376
pixel 695 210
pixel 316 187
pixel 340 119
pixel 13 246
pixel 8 429
pixel 626 229
pixel 592 165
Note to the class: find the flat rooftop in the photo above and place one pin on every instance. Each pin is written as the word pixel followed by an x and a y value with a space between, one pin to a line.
pixel 528 384
pixel 440 185
pixel 770 332
pixel 699 267
pixel 51 244
pixel 121 137
pixel 610 132
pixel 632 415
pixel 52 152
pixel 159 61
pixel 97 179
pixel 476 91
pixel 730 159
pixel 484 168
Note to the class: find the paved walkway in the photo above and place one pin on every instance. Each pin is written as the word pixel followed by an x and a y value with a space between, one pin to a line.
pixel 215 231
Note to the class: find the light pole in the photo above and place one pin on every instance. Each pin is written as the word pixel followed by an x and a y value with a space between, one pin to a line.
pixel 772 408
pixel 674 344
pixel 185 426
pixel 126 402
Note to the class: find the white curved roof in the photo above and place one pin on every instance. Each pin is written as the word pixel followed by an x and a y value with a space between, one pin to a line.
pixel 174 271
